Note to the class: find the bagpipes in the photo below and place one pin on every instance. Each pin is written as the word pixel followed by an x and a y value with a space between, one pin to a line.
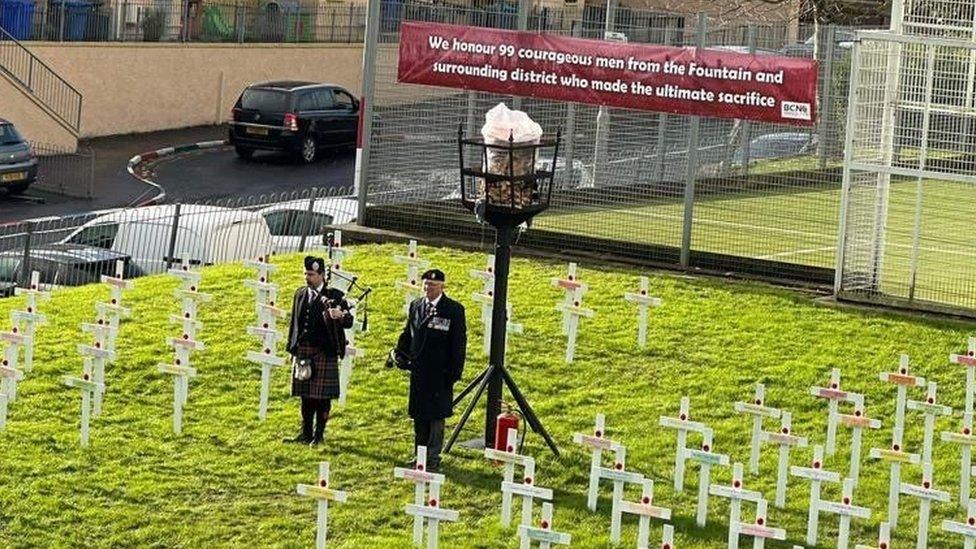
pixel 362 302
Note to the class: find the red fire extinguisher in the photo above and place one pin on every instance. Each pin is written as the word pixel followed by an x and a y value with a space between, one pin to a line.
pixel 506 420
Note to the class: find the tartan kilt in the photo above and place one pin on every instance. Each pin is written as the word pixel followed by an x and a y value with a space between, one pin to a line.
pixel 324 382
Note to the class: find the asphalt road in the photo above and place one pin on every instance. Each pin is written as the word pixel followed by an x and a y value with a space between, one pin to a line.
pixel 202 175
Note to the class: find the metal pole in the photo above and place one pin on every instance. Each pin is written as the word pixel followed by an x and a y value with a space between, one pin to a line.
pixel 600 160
pixel 308 222
pixel 25 271
pixel 747 125
pixel 171 252
pixel 825 125
pixel 694 138
pixel 845 193
pixel 499 321
pixel 522 23
pixel 370 52
pixel 570 133
pixel 920 185
pixel 61 30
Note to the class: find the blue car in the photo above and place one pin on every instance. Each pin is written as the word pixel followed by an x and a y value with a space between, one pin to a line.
pixel 18 163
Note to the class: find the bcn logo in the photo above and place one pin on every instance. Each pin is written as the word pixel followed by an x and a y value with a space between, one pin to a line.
pixel 796 111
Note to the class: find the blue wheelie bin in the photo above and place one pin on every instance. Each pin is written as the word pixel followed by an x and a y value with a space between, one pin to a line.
pixel 17 17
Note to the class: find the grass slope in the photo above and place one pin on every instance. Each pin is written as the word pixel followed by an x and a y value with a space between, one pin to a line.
pixel 229 482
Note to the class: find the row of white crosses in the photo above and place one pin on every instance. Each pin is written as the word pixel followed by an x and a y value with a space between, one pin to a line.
pixel 266 329
pixel 182 369
pixel 597 443
pixel 20 336
pixel 426 507
pixel 102 351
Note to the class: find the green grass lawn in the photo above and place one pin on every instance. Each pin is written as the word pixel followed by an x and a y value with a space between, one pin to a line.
pixel 229 482
pixel 801 227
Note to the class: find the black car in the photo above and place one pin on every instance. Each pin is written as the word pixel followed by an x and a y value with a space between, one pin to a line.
pixel 300 118
pixel 18 163
pixel 62 265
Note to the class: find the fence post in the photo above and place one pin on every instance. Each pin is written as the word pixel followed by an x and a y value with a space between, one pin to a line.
pixel 352 9
pixel 824 127
pixel 63 22
pixel 746 125
pixel 366 107
pixel 522 24
pixel 25 271
pixel 307 228
pixel 91 174
pixel 694 139
pixel 171 251
pixel 569 135
pixel 241 15
pixel 603 115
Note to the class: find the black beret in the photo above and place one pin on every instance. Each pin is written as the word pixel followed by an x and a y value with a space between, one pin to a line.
pixel 433 274
pixel 313 263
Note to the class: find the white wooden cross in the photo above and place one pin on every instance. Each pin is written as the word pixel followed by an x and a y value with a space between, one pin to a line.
pixel 683 425
pixel 487 305
pixel 14 340
pixel 264 291
pixel 112 311
pixel 181 370
pixel 926 494
pixel 100 353
pixel 573 291
pixel 486 275
pixel 858 421
pixel 757 530
pixel 965 440
pixel 421 479
pixel 706 459
pixel 758 410
pixel 433 514
pixel 187 276
pixel 188 317
pixel 351 354
pixel 786 441
pixel 884 539
pixel 88 387
pixel 268 359
pixel 834 396
pixel 620 477
pixel 896 456
pixel 29 319
pixel 411 285
pixel 321 492
pixel 931 409
pixel 575 310
pixel 667 538
pixel 544 534
pixel 646 510
pixel 528 491
pixel 510 458
pixel 816 475
pixel 966 529
pixel 341 278
pixel 969 361
pixel 736 493
pixel 597 442
pixel 644 301
pixel 846 509
pixel 7 374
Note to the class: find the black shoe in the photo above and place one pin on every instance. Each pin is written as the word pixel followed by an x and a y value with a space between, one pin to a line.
pixel 315 441
pixel 434 467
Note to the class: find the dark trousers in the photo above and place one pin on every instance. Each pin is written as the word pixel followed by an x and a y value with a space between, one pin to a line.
pixel 429 433
pixel 316 409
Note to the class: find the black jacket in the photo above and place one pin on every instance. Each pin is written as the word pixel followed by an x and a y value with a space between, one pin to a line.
pixel 436 345
pixel 310 322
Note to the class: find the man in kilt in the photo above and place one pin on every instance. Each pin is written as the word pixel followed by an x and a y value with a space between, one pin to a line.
pixel 316 338
pixel 432 347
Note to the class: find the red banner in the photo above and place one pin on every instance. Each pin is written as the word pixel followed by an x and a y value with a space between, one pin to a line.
pixel 706 82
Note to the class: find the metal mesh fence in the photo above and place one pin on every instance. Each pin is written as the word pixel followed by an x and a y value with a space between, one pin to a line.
pixel 64 171
pixel 908 238
pixel 766 197
pixel 76 250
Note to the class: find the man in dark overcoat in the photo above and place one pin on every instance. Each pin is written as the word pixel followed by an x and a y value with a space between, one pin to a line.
pixel 316 337
pixel 433 344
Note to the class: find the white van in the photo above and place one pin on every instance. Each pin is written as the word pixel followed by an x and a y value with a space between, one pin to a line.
pixel 206 234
